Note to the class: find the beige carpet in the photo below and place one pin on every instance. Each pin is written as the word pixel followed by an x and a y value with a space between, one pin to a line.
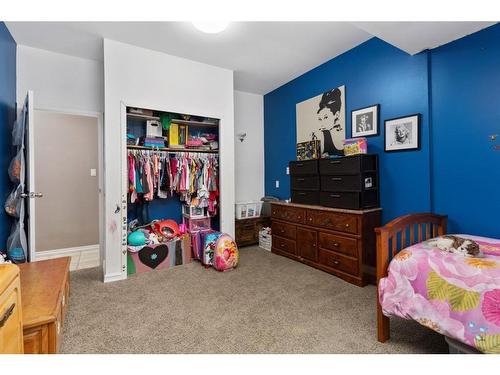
pixel 269 304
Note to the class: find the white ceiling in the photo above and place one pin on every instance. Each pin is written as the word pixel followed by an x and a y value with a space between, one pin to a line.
pixel 264 55
pixel 414 37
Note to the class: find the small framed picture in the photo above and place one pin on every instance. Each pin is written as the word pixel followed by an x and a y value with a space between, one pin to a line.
pixel 364 121
pixel 402 133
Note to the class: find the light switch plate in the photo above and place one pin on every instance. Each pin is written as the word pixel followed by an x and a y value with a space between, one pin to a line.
pixel 287 170
pixel 93 172
pixel 277 184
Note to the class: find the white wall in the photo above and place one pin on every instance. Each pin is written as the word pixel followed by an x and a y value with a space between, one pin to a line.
pixel 139 77
pixel 59 81
pixel 249 154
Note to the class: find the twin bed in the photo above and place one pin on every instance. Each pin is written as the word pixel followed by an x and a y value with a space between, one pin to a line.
pixel 449 293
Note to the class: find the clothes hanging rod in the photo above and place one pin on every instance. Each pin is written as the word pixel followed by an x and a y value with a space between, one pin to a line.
pixel 172 150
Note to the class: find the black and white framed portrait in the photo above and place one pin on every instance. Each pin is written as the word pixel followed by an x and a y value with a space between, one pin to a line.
pixel 323 117
pixel 402 133
pixel 364 121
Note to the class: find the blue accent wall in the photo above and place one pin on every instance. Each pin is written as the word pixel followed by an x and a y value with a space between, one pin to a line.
pixel 373 73
pixel 7 117
pixel 455 87
pixel 465 112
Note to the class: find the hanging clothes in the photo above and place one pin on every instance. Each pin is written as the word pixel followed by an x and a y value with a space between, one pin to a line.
pixel 160 174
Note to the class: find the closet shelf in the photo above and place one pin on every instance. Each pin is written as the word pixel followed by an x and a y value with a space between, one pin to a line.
pixel 133 147
pixel 142 117
pixel 204 124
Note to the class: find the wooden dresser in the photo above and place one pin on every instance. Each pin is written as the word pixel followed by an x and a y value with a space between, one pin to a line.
pixel 11 327
pixel 247 230
pixel 45 293
pixel 338 241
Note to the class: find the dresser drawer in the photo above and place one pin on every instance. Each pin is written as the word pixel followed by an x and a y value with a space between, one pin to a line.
pixel 36 340
pixel 10 320
pixel 284 230
pixel 306 167
pixel 349 182
pixel 338 261
pixel 344 245
pixel 305 183
pixel 305 197
pixel 284 244
pixel 294 214
pixel 333 220
pixel 348 165
pixel 349 200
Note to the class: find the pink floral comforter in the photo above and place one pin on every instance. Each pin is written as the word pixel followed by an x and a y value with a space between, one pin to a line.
pixel 454 295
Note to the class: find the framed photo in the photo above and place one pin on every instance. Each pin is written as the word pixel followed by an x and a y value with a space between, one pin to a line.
pixel 402 133
pixel 364 121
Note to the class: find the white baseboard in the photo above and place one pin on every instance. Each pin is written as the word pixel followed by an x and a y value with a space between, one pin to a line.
pixel 81 257
pixel 113 277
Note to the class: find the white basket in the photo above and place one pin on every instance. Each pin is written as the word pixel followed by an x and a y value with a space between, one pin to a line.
pixel 246 210
pixel 265 240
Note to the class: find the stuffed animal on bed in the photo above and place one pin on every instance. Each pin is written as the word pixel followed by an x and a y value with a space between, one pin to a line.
pixel 457 245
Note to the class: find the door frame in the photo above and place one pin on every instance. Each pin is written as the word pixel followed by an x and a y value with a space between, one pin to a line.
pixel 100 162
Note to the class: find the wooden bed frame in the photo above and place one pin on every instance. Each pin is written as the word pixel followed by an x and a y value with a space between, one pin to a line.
pixel 395 236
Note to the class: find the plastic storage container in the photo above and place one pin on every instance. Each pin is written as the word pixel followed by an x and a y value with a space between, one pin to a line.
pixel 245 210
pixel 196 224
pixel 194 212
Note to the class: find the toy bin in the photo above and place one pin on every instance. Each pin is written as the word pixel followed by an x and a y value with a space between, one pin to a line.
pixel 166 255
pixel 196 224
pixel 246 210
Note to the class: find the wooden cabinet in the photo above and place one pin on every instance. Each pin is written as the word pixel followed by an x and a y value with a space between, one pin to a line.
pixel 11 328
pixel 338 241
pixel 45 288
pixel 247 230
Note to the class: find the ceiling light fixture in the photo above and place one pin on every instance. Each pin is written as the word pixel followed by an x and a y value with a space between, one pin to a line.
pixel 211 27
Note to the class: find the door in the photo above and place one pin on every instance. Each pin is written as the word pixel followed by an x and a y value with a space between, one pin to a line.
pixel 307 244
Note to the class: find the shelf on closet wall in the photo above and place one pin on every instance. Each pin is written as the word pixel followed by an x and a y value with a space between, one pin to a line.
pixel 133 147
pixel 203 124
pixel 142 117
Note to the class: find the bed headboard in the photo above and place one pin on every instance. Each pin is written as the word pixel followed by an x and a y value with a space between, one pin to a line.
pixel 405 231
pixel 394 237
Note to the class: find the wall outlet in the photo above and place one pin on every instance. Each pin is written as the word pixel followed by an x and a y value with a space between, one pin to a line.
pixel 287 170
pixel 277 184
pixel 93 172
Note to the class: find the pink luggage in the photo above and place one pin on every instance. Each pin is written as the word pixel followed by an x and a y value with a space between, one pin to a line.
pixel 225 255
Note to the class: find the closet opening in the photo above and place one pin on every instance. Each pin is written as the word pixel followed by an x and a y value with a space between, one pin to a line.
pixel 172 186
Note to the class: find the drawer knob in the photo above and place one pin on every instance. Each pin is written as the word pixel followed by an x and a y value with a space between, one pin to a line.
pixel 282 231
pixel 336 262
pixel 299 217
pixel 282 245
pixel 310 219
pixel 336 244
pixel 347 225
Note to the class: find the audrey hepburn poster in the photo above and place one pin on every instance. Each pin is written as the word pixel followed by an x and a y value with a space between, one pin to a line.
pixel 323 118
